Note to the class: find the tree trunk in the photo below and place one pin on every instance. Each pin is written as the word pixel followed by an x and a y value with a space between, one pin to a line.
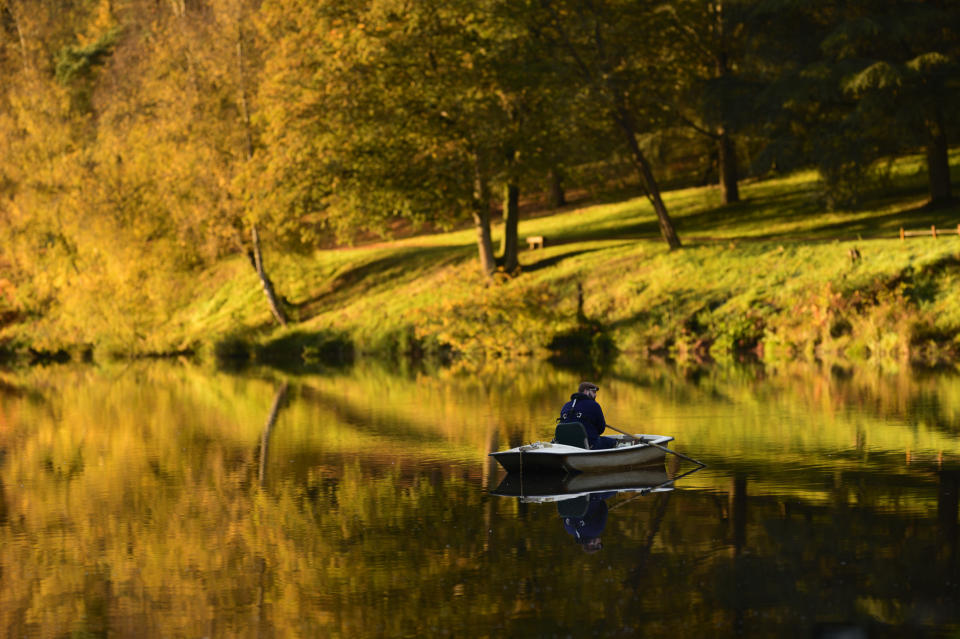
pixel 649 182
pixel 511 217
pixel 257 258
pixel 244 103
pixel 13 11
pixel 938 162
pixel 557 196
pixel 624 120
pixel 268 429
pixel 276 308
pixel 726 150
pixel 727 153
pixel 481 220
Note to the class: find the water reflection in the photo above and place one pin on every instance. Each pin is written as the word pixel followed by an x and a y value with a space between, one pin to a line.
pixel 161 499
pixel 581 499
pixel 585 518
pixel 549 487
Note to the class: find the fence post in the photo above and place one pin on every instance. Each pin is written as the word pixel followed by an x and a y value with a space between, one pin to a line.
pixel 933 231
pixel 902 236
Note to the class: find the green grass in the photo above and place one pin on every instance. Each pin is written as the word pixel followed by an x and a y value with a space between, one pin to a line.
pixel 771 274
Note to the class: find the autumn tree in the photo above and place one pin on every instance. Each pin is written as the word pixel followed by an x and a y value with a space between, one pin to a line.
pixel 130 122
pixel 362 122
pixel 602 48
pixel 708 47
pixel 41 159
pixel 176 130
pixel 381 110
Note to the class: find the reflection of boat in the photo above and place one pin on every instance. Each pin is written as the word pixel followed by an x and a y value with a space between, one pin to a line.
pixel 629 452
pixel 547 487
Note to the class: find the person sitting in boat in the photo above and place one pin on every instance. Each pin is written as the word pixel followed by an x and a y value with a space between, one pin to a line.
pixel 583 408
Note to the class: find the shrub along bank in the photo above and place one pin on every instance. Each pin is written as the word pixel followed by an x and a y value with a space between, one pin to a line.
pixel 775 276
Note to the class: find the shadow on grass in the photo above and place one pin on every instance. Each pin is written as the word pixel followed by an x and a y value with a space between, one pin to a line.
pixel 748 213
pixel 553 260
pixel 390 270
pixel 744 222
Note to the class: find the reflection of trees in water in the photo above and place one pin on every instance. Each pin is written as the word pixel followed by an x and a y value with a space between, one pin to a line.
pixel 837 562
pixel 268 429
pixel 932 398
pixel 948 490
pixel 789 569
pixel 792 569
pixel 337 543
pixel 640 555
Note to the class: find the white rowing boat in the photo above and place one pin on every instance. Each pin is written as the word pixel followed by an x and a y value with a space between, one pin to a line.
pixel 631 451
pixel 547 487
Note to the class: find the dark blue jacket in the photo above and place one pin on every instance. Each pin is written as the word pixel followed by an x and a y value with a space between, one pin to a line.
pixel 587 411
pixel 592 523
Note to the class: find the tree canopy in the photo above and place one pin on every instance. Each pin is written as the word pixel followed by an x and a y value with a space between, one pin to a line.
pixel 141 138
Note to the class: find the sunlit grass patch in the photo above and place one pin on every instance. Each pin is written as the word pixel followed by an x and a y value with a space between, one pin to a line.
pixel 749 273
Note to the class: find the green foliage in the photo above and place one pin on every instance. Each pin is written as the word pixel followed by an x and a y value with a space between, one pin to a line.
pixel 502 321
pixel 736 332
pixel 421 297
pixel 77 62
pixel 126 216
pixel 899 80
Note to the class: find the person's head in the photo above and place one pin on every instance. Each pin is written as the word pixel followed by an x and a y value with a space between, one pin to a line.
pixel 588 388
pixel 591 544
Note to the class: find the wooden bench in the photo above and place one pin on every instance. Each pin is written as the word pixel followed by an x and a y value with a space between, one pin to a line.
pixel 535 241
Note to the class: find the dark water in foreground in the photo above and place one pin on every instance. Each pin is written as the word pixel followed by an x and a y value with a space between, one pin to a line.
pixel 165 500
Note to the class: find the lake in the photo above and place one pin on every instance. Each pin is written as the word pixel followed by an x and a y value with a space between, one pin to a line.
pixel 169 499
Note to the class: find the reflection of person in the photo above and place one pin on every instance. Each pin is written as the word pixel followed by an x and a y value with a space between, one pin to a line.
pixel 586 524
pixel 583 408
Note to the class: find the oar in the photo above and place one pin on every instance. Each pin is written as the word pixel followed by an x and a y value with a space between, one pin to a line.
pixel 663 448
pixel 643 492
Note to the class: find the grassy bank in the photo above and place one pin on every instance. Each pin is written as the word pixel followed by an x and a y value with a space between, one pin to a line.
pixel 775 275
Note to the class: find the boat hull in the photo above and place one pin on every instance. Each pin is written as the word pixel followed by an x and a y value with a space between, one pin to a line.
pixel 553 486
pixel 543 457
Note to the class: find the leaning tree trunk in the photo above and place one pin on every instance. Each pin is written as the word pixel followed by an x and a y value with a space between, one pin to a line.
pixel 268 429
pixel 621 114
pixel 511 217
pixel 257 258
pixel 13 11
pixel 649 182
pixel 938 162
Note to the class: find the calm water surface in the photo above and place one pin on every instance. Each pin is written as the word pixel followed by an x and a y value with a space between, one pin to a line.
pixel 168 500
